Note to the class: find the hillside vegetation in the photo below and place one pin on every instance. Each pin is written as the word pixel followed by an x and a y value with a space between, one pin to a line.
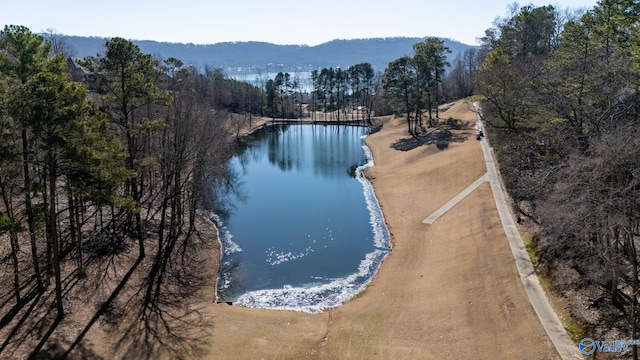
pixel 560 93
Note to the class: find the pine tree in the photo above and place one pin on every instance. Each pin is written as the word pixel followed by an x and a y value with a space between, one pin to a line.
pixel 23 56
pixel 128 82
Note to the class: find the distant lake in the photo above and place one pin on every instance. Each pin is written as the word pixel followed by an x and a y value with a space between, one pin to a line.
pixel 307 233
pixel 260 79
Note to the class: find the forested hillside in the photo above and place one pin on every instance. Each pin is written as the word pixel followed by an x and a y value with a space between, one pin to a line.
pixel 102 177
pixel 561 97
pixel 273 58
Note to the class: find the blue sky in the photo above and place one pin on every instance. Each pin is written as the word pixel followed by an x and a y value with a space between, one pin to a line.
pixel 275 21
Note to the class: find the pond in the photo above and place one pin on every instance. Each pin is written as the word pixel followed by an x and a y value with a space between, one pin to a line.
pixel 306 233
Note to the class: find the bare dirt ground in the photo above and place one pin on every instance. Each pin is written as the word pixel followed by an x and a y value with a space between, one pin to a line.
pixel 449 290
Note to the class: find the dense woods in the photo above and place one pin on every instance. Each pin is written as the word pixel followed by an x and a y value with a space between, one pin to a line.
pixel 560 92
pixel 101 154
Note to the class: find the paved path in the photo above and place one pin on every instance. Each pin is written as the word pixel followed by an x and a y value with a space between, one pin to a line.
pixel 456 199
pixel 550 321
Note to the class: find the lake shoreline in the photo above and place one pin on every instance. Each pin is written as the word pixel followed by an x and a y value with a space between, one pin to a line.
pixel 452 282
pixel 270 262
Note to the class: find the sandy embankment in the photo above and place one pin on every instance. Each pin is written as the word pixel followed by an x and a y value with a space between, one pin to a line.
pixel 449 290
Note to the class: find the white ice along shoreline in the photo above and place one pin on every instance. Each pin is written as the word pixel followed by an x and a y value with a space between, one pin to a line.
pixel 224 236
pixel 382 238
pixel 318 298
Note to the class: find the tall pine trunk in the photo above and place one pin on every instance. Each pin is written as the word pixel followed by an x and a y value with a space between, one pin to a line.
pixel 15 245
pixel 134 191
pixel 52 233
pixel 29 210
pixel 633 257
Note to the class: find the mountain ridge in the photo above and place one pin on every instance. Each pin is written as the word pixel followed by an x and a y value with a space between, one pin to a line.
pixel 266 57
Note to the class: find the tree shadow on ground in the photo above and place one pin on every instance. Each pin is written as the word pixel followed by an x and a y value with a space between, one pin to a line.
pixel 441 135
pixel 16 308
pixel 104 308
pixel 30 328
pixel 33 298
pixel 164 323
pixel 171 323
pixel 38 318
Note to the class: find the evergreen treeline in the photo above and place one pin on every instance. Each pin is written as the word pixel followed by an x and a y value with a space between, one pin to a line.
pixel 415 86
pixel 560 93
pixel 102 156
pixel 352 92
pixel 329 95
pixel 88 164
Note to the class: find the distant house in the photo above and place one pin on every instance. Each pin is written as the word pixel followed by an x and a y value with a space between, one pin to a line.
pixel 77 71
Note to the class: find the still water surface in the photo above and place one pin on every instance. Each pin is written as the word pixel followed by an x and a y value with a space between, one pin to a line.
pixel 307 233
